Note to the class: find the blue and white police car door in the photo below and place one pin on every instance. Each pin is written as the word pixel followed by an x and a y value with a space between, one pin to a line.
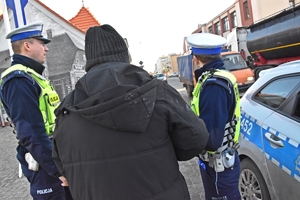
pixel 282 150
pixel 281 138
pixel 270 126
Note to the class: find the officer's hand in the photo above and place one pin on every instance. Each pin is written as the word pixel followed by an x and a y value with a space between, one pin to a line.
pixel 64 181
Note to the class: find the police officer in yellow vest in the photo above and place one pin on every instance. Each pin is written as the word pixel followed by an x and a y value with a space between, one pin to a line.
pixel 216 101
pixel 29 101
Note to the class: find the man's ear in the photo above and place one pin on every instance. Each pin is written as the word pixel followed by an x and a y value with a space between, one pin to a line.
pixel 26 46
pixel 196 60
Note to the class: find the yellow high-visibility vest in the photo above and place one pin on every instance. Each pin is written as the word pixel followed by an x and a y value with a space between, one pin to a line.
pixel 231 79
pixel 48 100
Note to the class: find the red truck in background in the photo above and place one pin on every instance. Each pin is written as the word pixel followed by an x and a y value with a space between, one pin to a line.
pixel 269 42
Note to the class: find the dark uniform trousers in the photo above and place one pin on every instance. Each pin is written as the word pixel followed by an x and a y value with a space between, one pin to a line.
pixel 221 185
pixel 42 185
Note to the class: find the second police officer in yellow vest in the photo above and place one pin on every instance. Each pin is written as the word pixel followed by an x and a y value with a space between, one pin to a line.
pixel 29 101
pixel 216 101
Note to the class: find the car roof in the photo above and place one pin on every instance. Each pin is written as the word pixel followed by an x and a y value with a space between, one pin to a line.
pixel 286 68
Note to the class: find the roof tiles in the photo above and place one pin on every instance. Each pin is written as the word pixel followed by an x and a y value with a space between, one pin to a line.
pixel 84 19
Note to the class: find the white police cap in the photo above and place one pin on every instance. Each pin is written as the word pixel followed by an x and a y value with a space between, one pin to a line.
pixel 33 30
pixel 206 43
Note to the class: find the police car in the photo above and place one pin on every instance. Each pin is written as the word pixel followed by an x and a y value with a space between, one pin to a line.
pixel 270 135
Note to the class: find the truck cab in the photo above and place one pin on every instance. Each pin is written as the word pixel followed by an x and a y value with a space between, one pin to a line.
pixel 234 62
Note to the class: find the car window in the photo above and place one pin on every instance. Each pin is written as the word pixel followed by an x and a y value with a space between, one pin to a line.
pixel 277 91
pixel 234 62
pixel 297 107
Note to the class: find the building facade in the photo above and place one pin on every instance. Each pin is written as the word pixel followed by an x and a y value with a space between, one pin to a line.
pixel 173 62
pixel 163 64
pixel 242 13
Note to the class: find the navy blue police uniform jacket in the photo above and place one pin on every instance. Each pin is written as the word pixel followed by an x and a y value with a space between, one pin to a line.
pixel 20 97
pixel 217 105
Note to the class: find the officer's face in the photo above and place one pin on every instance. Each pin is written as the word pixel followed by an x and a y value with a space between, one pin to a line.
pixel 37 50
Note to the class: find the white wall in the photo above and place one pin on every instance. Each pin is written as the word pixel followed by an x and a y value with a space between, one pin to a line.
pixel 158 65
pixel 264 8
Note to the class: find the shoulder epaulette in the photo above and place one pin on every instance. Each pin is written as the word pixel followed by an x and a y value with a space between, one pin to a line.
pixel 15 74
pixel 218 81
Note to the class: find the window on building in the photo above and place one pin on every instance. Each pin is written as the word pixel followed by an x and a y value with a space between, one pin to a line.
pixel 233 18
pixel 218 28
pixel 226 24
pixel 210 29
pixel 246 10
pixel 49 33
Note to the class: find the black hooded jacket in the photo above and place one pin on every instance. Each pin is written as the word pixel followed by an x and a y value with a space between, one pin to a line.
pixel 120 133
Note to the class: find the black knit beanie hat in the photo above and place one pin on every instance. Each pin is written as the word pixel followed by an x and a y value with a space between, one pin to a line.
pixel 104 44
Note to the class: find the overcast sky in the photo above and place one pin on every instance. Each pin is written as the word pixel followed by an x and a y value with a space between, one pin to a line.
pixel 152 28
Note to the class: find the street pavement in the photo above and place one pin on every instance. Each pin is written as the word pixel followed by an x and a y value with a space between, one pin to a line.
pixel 11 187
pixel 14 188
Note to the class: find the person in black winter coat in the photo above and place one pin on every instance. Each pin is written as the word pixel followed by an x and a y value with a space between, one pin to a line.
pixel 120 133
